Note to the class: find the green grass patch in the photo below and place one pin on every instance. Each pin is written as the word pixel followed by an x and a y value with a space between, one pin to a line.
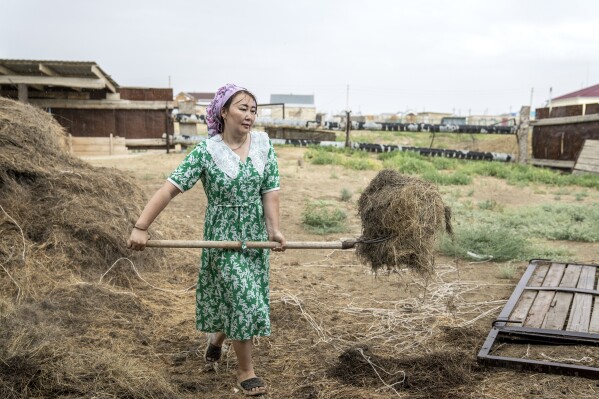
pixel 447 179
pixel 324 217
pixel 507 271
pixel 348 158
pixel 556 221
pixel 490 205
pixel 514 174
pixel 497 243
pixel 407 162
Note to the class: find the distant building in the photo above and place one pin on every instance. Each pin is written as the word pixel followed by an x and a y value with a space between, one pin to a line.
pixel 434 118
pixel 86 101
pixel 289 106
pixel 453 120
pixel 484 120
pixel 200 99
pixel 588 95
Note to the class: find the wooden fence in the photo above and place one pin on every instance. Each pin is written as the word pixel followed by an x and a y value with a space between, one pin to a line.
pixel 96 146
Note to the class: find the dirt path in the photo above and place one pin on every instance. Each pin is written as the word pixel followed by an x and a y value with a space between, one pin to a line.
pixel 334 323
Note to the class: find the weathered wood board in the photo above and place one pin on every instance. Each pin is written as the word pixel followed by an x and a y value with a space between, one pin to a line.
pixel 588 159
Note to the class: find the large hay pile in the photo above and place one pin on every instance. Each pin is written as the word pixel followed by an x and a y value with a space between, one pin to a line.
pixel 407 210
pixel 63 223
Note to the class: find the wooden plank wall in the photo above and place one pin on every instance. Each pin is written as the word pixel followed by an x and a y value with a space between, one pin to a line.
pixel 563 142
pixel 128 123
pixel 588 160
pixel 145 94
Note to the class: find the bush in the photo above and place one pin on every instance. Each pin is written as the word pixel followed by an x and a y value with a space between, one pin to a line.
pixel 323 217
pixel 507 271
pixel 346 195
pixel 318 156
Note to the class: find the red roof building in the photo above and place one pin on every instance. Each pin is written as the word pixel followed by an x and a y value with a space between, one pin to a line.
pixel 587 95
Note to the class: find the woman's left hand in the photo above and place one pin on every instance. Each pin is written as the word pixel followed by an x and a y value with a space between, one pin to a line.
pixel 278 237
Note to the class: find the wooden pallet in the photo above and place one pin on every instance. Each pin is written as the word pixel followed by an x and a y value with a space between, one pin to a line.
pixel 588 160
pixel 554 303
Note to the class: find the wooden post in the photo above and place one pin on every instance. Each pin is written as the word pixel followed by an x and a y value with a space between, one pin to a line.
pixel 522 134
pixel 23 92
pixel 110 144
pixel 347 128
pixel 166 127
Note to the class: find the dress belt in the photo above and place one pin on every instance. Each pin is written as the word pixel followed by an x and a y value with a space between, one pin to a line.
pixel 238 205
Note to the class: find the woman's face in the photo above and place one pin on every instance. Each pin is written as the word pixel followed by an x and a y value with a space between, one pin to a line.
pixel 241 114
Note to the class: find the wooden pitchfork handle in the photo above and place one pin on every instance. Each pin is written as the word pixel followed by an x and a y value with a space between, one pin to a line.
pixel 250 244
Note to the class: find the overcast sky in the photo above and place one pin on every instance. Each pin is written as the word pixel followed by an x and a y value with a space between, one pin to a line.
pixel 467 57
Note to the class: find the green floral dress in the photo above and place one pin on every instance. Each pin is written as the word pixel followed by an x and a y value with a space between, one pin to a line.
pixel 232 294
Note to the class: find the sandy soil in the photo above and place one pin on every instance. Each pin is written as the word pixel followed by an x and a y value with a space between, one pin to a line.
pixel 338 330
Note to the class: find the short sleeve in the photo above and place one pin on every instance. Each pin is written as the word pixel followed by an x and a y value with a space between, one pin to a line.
pixel 270 179
pixel 189 171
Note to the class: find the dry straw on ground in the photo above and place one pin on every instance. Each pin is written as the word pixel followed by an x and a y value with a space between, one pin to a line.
pixel 62 223
pixel 76 324
pixel 409 211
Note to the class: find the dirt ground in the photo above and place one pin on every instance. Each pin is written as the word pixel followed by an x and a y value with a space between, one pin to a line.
pixel 338 331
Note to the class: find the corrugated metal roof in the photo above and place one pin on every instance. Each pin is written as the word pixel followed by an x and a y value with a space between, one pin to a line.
pixel 73 69
pixel 292 99
pixel 592 91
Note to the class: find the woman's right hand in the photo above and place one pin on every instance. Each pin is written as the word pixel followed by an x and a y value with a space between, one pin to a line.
pixel 137 240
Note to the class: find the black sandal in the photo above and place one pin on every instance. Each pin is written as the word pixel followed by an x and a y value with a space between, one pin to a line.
pixel 248 387
pixel 213 352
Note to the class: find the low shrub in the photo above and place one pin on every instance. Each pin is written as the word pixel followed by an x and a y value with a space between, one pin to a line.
pixel 323 217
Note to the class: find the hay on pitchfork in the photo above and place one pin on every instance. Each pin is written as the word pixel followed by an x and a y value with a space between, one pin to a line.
pixel 409 211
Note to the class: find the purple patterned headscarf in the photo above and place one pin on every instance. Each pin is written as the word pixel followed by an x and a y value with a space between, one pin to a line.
pixel 213 117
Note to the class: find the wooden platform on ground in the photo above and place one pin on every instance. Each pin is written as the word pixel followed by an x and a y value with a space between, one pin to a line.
pixel 554 303
pixel 588 160
pixel 544 303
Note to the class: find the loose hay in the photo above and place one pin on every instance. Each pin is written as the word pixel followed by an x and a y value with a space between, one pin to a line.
pixel 62 224
pixel 445 373
pixel 409 211
pixel 55 206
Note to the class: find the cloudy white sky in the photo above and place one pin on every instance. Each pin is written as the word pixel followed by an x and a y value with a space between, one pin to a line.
pixel 465 56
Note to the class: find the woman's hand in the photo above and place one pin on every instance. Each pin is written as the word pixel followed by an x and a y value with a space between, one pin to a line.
pixel 278 237
pixel 137 240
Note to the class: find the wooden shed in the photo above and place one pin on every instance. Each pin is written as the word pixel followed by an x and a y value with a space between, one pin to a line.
pixel 559 134
pixel 88 103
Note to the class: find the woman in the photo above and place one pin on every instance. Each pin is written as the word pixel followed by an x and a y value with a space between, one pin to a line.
pixel 239 172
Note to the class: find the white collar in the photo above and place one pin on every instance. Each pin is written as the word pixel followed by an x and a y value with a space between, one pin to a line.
pixel 228 161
